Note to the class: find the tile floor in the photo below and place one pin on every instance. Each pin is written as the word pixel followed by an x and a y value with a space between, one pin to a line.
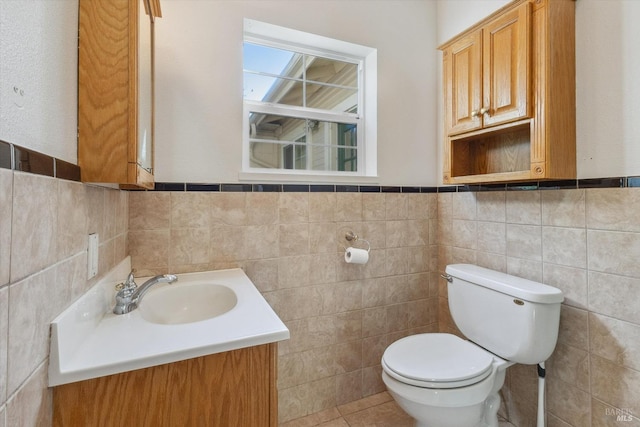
pixel 379 410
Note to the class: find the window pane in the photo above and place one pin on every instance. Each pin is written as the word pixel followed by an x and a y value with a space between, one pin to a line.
pixel 327 158
pixel 274 155
pixel 267 155
pixel 270 89
pixel 325 70
pixel 277 76
pixel 301 103
pixel 281 142
pixel 267 60
pixel 332 98
pixel 275 127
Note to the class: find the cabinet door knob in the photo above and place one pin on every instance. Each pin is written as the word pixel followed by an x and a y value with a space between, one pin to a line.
pixel 474 113
pixel 484 110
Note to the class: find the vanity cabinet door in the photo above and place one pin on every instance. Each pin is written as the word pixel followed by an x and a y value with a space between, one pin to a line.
pixel 232 389
pixel 115 91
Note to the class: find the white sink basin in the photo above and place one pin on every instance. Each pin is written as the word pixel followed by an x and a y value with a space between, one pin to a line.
pixel 202 313
pixel 188 303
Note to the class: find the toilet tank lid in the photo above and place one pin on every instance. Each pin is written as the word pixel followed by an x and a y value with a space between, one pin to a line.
pixel 518 287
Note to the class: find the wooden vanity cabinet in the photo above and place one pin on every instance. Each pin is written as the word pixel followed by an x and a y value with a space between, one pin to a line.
pixel 234 388
pixel 509 96
pixel 115 91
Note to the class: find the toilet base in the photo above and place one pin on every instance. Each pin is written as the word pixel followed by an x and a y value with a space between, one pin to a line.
pixel 443 417
pixel 491 407
pixel 474 413
pixel 455 417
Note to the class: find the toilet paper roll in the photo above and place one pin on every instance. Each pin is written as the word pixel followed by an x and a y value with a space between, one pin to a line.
pixel 356 256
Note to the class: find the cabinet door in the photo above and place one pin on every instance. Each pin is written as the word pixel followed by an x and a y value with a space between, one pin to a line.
pixel 110 95
pixel 463 84
pixel 232 389
pixel 506 67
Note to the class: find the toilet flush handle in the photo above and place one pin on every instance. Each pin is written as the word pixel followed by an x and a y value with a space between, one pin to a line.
pixel 447 277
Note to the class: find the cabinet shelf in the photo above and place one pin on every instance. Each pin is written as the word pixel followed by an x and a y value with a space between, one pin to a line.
pixel 517 176
pixel 499 153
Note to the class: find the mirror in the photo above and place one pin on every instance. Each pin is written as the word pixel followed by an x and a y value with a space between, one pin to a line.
pixel 145 81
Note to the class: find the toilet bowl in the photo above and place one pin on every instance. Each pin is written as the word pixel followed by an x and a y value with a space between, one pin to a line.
pixel 442 380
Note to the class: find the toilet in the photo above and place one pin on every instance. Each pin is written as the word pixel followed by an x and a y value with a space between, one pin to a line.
pixel 442 380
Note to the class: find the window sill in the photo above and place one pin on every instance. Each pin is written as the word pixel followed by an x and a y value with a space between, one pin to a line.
pixel 307 178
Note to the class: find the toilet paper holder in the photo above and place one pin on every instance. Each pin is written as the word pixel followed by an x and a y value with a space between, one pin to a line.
pixel 350 236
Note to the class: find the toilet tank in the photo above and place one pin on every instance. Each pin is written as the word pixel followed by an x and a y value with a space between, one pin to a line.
pixel 514 318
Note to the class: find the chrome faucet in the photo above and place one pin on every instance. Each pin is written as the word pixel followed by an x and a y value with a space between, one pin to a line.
pixel 130 294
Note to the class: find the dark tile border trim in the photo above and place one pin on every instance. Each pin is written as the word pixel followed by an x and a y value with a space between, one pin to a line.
pixel 617 182
pixel 23 159
pixel 323 188
pixel 298 188
pixel 448 189
pixel 26 160
pixel 347 188
pixel 633 181
pixel 203 187
pixel 570 184
pixel 558 185
pixel 410 189
pixel 175 186
pixel 389 189
pixel 6 155
pixel 428 189
pixel 66 170
pixel 244 188
pixel 295 188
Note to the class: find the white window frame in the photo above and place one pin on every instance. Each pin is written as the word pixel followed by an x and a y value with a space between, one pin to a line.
pixel 280 37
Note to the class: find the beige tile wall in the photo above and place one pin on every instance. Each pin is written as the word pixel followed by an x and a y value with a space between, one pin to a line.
pixel 341 316
pixel 587 243
pixel 44 223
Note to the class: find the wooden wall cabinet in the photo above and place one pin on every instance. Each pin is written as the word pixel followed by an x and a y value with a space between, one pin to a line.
pixel 509 96
pixel 115 91
pixel 234 388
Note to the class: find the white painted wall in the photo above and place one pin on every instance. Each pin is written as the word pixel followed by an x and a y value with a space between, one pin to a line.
pixel 38 57
pixel 199 81
pixel 608 87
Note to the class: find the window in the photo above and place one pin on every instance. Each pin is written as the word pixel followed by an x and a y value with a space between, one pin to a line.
pixel 309 104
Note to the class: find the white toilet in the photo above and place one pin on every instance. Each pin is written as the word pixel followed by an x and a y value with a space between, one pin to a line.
pixel 442 380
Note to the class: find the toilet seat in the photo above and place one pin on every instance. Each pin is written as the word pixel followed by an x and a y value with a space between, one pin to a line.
pixel 437 361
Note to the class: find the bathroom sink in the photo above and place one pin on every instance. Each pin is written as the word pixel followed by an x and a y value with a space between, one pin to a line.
pixel 202 313
pixel 187 303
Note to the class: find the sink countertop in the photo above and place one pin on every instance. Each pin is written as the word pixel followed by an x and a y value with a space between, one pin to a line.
pixel 89 341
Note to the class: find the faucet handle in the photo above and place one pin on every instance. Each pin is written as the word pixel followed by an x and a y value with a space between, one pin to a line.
pixel 129 285
pixel 130 280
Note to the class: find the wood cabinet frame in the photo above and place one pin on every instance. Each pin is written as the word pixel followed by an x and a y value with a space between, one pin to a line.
pixel 535 139
pixel 108 46
pixel 234 388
